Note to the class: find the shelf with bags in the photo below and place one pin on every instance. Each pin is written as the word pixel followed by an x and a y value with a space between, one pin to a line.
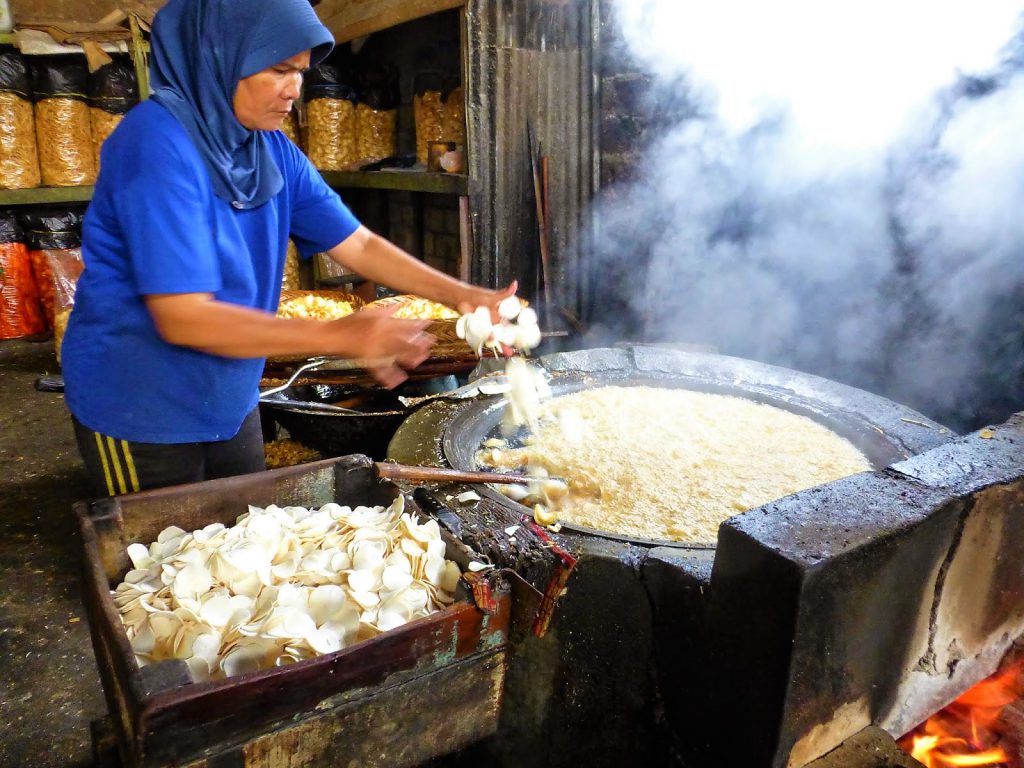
pixel 33 42
pixel 402 180
pixel 409 181
pixel 45 195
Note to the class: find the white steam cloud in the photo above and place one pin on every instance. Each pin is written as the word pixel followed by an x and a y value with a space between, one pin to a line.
pixel 845 194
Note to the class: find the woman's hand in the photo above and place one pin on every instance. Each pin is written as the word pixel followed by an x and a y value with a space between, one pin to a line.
pixel 484 297
pixel 199 321
pixel 390 346
pixel 380 261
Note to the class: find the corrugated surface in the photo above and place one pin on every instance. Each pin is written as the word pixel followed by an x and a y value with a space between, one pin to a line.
pixel 529 63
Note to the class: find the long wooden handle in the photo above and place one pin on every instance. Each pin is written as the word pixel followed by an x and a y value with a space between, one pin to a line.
pixel 443 474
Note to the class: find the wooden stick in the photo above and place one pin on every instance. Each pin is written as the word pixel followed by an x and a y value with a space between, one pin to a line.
pixel 391 471
pixel 538 195
pixel 545 231
pixel 465 240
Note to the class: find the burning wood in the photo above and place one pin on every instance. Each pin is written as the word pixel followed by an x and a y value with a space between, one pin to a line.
pixel 981 728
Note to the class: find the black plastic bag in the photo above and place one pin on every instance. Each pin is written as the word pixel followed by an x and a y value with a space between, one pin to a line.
pixel 14 74
pixel 113 87
pixel 329 81
pixel 64 77
pixel 10 230
pixel 49 229
pixel 379 89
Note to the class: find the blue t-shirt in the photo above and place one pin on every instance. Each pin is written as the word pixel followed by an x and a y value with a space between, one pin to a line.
pixel 155 226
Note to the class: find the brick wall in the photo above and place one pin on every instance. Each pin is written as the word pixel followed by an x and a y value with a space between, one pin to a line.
pixel 634 109
pixel 428 227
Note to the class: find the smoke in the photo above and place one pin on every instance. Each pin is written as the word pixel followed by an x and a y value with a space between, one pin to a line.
pixel 843 193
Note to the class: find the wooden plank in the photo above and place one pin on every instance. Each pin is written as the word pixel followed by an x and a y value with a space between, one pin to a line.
pixel 43 195
pixel 405 725
pixel 182 723
pixel 408 181
pixel 466 247
pixel 349 19
pixel 140 52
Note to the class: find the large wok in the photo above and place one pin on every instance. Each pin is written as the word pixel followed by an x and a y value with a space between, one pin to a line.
pixel 374 415
pixel 884 431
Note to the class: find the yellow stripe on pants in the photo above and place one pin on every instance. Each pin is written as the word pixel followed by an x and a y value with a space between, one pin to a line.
pixel 106 466
pixel 132 477
pixel 117 465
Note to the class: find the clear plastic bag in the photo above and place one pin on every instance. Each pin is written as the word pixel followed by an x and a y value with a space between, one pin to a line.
pixel 66 266
pixel 19 157
pixel 63 130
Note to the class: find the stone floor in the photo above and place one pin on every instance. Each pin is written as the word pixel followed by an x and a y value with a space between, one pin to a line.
pixel 49 687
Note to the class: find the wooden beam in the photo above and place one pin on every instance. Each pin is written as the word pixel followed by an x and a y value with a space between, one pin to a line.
pixel 408 181
pixel 350 19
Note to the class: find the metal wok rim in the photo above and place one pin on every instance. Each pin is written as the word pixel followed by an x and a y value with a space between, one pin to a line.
pixel 281 401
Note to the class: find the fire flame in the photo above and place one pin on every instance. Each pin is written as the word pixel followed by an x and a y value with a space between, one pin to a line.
pixel 969 731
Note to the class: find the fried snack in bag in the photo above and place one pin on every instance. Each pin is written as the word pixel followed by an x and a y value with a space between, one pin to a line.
pixel 66 266
pixel 20 311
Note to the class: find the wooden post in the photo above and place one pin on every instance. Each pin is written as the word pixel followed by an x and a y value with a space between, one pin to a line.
pixel 465 240
pixel 139 51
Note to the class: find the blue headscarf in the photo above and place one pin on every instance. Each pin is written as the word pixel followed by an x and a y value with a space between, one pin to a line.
pixel 200 50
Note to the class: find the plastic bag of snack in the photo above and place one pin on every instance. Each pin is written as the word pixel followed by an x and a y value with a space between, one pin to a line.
pixel 66 266
pixel 63 130
pixel 20 311
pixel 112 92
pixel 19 157
pixel 377 116
pixel 332 138
pixel 49 229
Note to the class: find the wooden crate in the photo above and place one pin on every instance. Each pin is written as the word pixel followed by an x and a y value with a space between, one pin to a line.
pixel 416 692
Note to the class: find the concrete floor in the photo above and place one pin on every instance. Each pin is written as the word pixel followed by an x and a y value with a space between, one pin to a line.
pixel 49 687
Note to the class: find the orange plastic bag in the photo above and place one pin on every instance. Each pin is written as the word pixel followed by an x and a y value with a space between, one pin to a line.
pixel 44 283
pixel 47 230
pixel 21 313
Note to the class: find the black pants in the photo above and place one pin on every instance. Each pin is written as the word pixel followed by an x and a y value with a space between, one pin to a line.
pixel 121 466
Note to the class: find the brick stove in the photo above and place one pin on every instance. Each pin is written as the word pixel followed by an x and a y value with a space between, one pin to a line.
pixel 826 619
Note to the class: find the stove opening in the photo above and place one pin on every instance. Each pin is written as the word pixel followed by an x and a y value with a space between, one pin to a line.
pixel 983 727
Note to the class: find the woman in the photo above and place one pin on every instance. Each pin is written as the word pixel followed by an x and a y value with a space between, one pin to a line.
pixel 184 246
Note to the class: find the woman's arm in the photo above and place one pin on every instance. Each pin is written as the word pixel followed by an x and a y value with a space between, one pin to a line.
pixel 199 321
pixel 376 259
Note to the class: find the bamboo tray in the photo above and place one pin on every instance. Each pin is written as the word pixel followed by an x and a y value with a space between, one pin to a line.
pixel 289 295
pixel 450 354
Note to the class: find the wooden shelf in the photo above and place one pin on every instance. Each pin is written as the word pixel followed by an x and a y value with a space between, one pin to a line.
pixel 408 181
pixel 349 19
pixel 45 195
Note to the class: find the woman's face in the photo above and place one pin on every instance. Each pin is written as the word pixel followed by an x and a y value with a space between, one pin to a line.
pixel 262 101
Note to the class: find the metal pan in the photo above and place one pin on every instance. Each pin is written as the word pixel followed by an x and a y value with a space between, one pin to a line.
pixel 846 411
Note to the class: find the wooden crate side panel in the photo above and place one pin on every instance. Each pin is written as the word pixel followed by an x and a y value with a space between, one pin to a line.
pixel 181 723
pixel 114 660
pixel 403 725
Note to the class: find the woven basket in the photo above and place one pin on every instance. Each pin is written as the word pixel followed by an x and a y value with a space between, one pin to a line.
pixel 356 302
pixel 448 345
pixel 397 302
